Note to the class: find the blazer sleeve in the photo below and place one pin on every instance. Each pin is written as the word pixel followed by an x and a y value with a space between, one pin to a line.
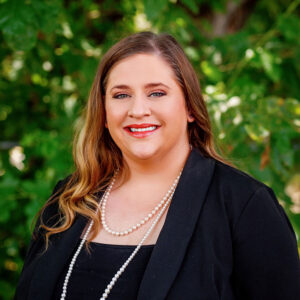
pixel 266 259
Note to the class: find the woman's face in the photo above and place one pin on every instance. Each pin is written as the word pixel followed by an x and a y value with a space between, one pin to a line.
pixel 146 113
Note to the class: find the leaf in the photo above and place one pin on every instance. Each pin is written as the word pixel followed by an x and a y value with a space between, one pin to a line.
pixel 275 160
pixel 47 13
pixel 6 289
pixel 6 11
pixel 282 143
pixel 19 35
pixel 7 189
pixel 257 132
pixel 154 8
pixel 21 27
pixel 289 25
pixel 292 106
pixel 288 158
pixel 211 71
pixel 270 65
pixel 192 5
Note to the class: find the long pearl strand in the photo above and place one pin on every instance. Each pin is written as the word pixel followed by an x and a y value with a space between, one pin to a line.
pixel 73 260
pixel 129 259
pixel 134 227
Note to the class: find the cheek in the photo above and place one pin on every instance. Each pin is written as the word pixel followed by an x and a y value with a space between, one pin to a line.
pixel 178 112
pixel 113 118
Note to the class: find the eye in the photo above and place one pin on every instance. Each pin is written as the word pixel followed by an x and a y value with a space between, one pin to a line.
pixel 157 94
pixel 120 96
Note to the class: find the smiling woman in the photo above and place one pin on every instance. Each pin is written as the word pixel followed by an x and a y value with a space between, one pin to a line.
pixel 162 215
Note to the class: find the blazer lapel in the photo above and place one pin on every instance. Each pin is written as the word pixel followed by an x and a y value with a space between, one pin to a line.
pixel 176 233
pixel 52 262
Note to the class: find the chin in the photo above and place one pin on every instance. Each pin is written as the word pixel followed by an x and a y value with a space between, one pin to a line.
pixel 143 154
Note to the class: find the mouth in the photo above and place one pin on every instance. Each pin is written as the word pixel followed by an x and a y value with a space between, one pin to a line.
pixel 150 128
pixel 141 132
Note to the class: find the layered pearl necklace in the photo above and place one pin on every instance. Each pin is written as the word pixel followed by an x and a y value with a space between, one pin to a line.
pixel 139 224
pixel 166 200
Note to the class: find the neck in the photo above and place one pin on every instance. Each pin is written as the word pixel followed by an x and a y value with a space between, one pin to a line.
pixel 157 168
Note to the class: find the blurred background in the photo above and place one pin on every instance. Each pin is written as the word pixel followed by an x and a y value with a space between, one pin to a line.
pixel 247 57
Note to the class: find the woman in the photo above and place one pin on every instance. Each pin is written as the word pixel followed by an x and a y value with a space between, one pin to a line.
pixel 152 212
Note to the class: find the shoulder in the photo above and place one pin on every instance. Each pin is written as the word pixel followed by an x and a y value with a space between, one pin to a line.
pixel 227 184
pixel 61 184
pixel 247 200
pixel 236 189
pixel 223 176
pixel 233 178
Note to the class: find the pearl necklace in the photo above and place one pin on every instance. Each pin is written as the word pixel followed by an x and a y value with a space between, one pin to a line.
pixel 129 259
pixel 139 224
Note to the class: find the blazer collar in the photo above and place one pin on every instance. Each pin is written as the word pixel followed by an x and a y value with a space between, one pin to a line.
pixel 177 231
pixel 170 247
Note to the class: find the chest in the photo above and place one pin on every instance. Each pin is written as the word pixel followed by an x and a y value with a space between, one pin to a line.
pixel 135 215
pixel 135 236
pixel 95 268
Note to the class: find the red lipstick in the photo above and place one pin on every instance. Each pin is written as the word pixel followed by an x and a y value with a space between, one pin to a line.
pixel 143 125
pixel 136 130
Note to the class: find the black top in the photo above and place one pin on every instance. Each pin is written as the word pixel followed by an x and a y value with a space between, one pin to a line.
pixel 93 271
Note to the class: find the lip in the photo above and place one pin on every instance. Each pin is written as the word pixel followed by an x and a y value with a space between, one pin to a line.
pixel 143 125
pixel 142 134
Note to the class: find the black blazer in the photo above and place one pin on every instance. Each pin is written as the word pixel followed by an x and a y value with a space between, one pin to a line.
pixel 225 237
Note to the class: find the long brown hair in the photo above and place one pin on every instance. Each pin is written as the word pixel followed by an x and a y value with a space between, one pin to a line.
pixel 95 154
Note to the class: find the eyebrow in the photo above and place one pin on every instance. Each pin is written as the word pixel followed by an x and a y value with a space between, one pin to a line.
pixel 148 85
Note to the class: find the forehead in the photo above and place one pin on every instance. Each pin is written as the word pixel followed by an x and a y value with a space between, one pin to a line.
pixel 140 69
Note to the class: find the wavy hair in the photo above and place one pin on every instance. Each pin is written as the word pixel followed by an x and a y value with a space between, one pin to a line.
pixel 95 154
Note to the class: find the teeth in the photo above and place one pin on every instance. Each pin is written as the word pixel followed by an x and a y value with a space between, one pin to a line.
pixel 142 129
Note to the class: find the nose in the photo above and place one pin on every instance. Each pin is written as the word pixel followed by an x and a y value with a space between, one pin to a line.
pixel 139 107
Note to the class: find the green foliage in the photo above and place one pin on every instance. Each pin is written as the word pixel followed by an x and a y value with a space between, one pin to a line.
pixel 50 50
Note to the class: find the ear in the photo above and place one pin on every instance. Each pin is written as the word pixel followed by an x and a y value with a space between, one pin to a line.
pixel 190 118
